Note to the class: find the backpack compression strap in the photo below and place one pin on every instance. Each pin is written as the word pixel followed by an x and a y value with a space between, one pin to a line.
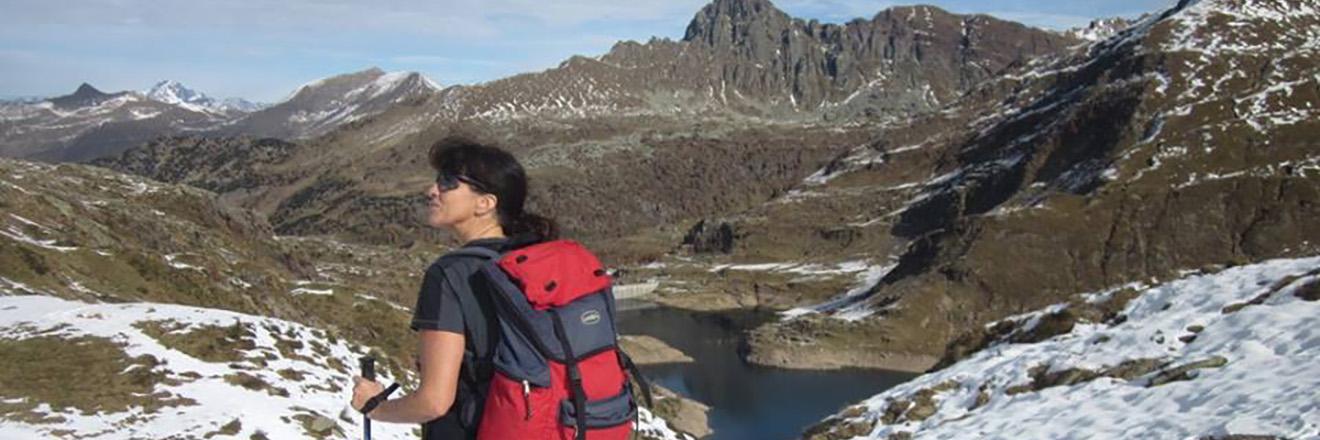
pixel 579 394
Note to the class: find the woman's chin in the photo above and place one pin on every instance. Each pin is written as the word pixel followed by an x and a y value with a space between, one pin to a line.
pixel 436 221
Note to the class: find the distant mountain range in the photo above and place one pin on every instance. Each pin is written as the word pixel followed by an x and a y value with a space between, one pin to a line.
pixel 90 123
pixel 737 57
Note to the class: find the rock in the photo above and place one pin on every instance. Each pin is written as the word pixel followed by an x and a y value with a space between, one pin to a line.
pixel 322 424
pixel 839 429
pixel 684 414
pixel 709 236
pixel 1310 291
pixel 1185 371
pixel 647 350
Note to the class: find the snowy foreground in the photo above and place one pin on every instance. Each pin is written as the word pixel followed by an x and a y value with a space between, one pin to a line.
pixel 1247 340
pixel 316 399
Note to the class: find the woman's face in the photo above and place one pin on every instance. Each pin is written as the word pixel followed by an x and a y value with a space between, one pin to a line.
pixel 448 208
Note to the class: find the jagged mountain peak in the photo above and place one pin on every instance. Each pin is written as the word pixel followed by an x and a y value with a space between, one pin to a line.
pixel 86 90
pixel 721 18
pixel 85 95
pixel 738 8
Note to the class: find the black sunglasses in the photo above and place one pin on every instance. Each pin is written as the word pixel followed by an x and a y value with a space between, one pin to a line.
pixel 448 182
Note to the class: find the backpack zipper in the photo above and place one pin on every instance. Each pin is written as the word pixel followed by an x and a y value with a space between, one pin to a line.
pixel 527 399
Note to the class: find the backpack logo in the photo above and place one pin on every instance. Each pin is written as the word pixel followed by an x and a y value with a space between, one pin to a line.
pixel 591 317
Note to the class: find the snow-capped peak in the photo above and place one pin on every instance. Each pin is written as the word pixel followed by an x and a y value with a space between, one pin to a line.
pixel 175 93
pixel 1100 29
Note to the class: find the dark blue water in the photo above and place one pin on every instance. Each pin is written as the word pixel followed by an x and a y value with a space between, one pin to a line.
pixel 747 402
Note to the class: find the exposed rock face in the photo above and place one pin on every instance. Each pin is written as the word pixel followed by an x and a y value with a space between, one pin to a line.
pixel 711 236
pixel 748 57
pixel 905 59
pixel 1114 165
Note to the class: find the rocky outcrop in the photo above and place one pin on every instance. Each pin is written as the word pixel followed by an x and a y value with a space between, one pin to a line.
pixel 647 350
pixel 711 236
pixel 684 414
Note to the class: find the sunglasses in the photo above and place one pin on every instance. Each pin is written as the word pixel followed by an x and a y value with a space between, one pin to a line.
pixel 449 182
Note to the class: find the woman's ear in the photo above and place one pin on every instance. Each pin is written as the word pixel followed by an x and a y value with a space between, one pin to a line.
pixel 486 204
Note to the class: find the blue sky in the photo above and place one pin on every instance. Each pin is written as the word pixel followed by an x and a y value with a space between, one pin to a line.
pixel 263 49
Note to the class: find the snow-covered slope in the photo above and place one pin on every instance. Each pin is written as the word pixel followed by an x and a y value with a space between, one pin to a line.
pixel 267 374
pixel 206 372
pixel 1206 356
pixel 318 107
pixel 1100 29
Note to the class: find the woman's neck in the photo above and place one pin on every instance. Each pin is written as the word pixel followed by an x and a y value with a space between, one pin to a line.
pixel 471 230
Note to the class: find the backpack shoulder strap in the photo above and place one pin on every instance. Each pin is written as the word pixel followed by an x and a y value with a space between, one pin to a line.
pixel 473 251
pixel 478 364
pixel 483 337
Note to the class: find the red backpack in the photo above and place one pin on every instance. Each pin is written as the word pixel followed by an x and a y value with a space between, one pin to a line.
pixel 558 370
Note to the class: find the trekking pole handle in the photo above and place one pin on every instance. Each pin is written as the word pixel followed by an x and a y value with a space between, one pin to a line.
pixel 368 365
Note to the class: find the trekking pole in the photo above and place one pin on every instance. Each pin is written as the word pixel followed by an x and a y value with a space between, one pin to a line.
pixel 368 365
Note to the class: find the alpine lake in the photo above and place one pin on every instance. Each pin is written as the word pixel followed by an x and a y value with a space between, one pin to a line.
pixel 748 402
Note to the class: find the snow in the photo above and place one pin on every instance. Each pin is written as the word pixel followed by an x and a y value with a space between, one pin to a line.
pixel 1267 385
pixel 310 291
pixel 16 234
pixel 1098 30
pixel 11 287
pixel 239 283
pixel 381 85
pixel 172 260
pixel 796 267
pixel 386 302
pixel 217 401
pixel 851 305
pixel 176 94
pixel 15 186
pixel 655 427
pixel 858 158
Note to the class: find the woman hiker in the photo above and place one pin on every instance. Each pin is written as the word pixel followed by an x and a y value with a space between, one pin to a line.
pixel 478 196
